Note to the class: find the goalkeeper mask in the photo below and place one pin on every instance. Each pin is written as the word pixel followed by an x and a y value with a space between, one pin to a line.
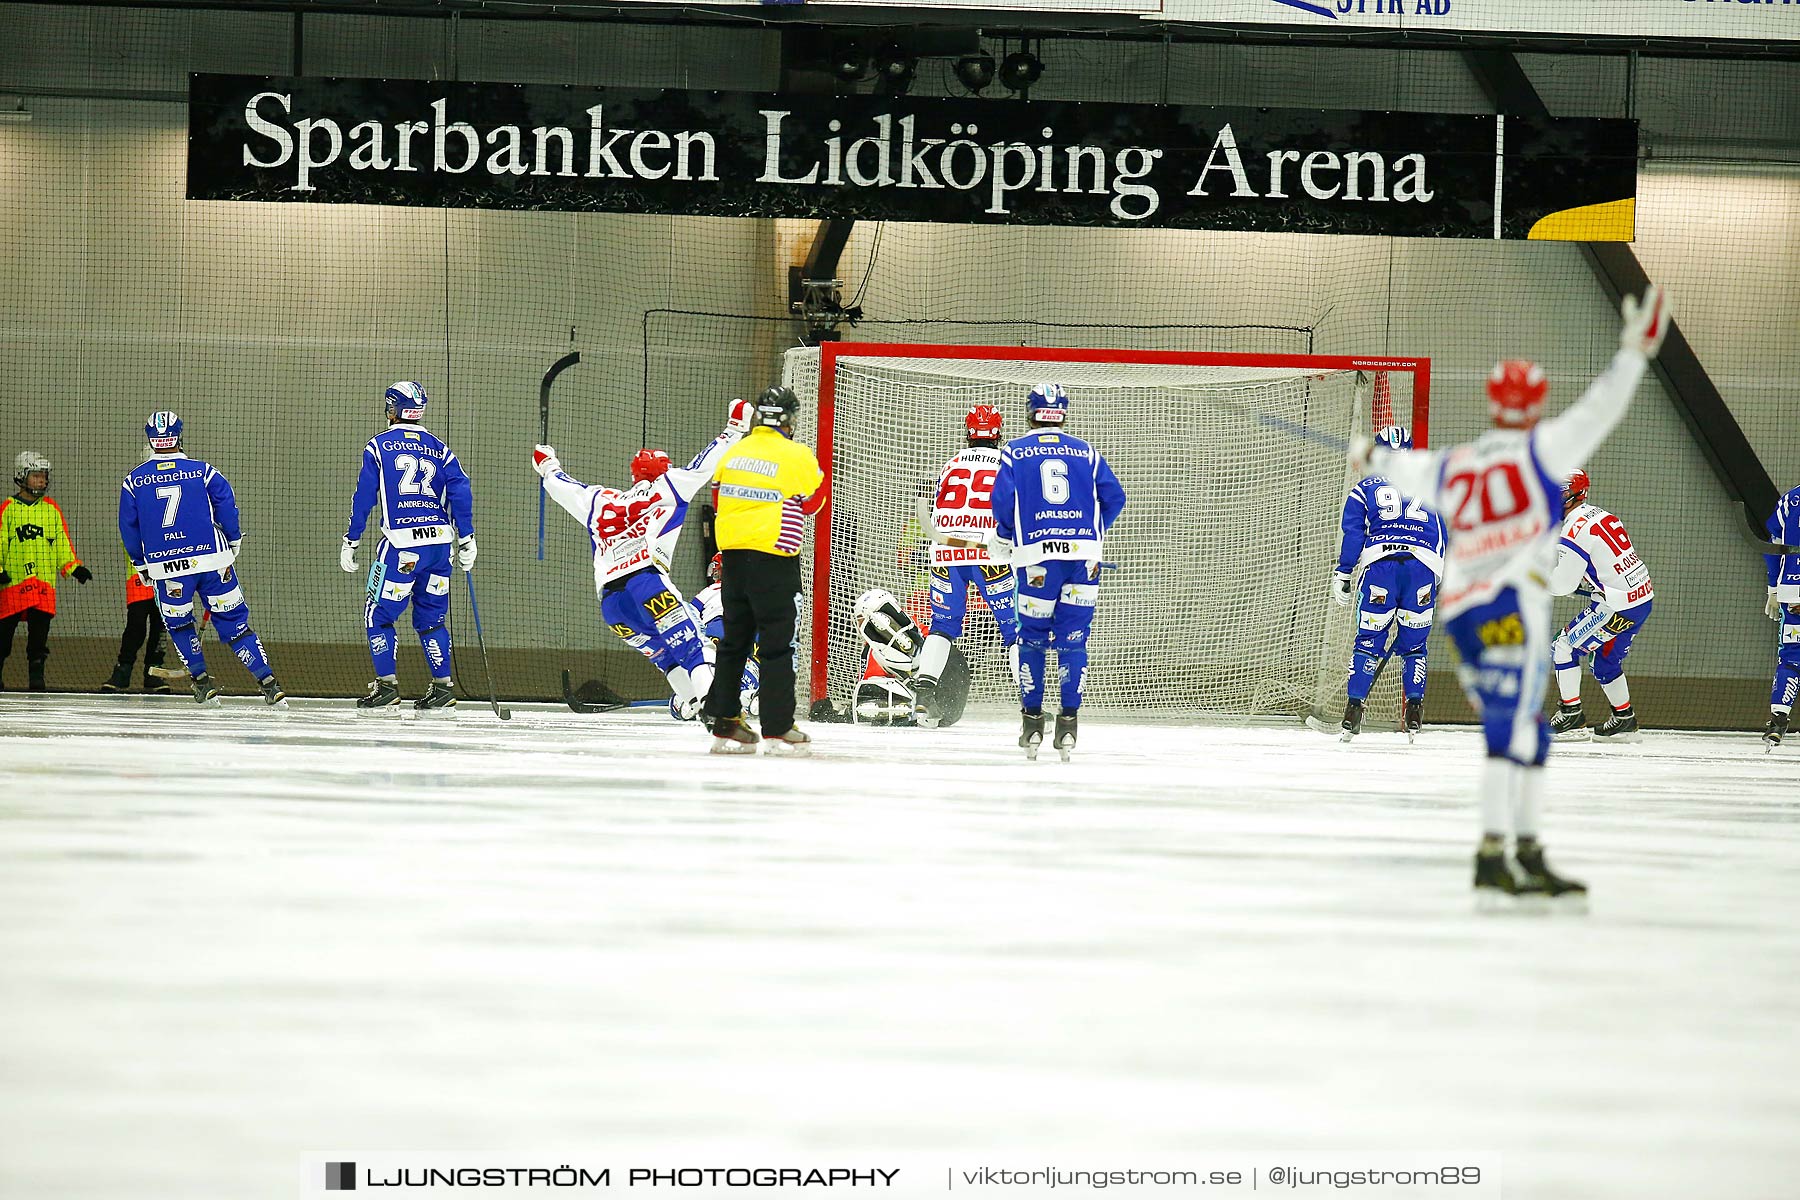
pixel 1516 392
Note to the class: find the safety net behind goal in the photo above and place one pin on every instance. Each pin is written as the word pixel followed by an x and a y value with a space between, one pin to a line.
pixel 1214 600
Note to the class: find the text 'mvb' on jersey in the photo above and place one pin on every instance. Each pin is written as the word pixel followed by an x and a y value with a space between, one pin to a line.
pixel 1380 521
pixel 178 516
pixel 1055 497
pixel 423 493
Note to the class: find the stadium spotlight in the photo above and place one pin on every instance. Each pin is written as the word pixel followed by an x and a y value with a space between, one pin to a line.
pixel 894 65
pixel 849 62
pixel 976 70
pixel 1020 70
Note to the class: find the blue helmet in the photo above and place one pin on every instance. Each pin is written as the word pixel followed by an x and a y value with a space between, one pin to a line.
pixel 405 402
pixel 1395 437
pixel 1048 403
pixel 164 431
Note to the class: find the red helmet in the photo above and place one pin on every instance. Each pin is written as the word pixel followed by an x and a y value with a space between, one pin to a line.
pixel 1575 490
pixel 1516 392
pixel 715 570
pixel 648 464
pixel 983 423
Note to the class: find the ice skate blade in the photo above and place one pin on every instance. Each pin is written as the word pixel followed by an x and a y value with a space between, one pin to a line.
pixel 780 749
pixel 1494 902
pixel 1063 751
pixel 1573 735
pixel 1412 735
pixel 1031 751
pixel 1346 736
pixel 728 746
pixel 1619 739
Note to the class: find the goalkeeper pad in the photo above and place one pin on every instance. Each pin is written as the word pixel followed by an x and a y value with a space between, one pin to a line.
pixel 893 637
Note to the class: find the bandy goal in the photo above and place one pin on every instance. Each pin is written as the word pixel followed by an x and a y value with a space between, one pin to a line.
pixel 1215 601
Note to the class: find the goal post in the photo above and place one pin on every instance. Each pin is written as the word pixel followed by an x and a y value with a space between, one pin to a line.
pixel 1235 474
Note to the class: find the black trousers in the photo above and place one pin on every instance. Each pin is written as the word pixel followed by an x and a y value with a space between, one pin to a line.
pixel 37 634
pixel 143 628
pixel 760 596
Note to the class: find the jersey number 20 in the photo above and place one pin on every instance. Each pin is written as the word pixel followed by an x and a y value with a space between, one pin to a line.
pixel 1499 491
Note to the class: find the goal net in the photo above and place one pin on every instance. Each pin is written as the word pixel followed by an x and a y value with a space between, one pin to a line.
pixel 1215 601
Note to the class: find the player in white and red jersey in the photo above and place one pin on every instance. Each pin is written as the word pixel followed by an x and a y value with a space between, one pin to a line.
pixel 1596 558
pixel 1500 498
pixel 634 534
pixel 962 518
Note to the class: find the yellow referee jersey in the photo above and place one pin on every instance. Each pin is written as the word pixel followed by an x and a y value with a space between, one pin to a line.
pixel 768 485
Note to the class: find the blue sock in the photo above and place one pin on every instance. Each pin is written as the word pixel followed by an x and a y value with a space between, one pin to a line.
pixel 1074 676
pixel 1031 676
pixel 436 644
pixel 381 649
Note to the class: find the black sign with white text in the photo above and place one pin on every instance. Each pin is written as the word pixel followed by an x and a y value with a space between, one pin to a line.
pixel 745 154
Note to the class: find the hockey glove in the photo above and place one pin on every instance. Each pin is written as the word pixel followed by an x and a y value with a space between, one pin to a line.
pixel 465 553
pixel 1772 609
pixel 1340 588
pixel 1646 321
pixel 544 461
pixel 999 550
pixel 81 574
pixel 347 556
pixel 235 543
pixel 740 416
pixel 143 574
pixel 1362 447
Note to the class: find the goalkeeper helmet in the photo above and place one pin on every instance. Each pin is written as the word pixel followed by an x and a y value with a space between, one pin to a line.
pixel 405 402
pixel 648 464
pixel 1048 404
pixel 715 570
pixel 1395 437
pixel 983 423
pixel 1575 490
pixel 164 431
pixel 776 408
pixel 1516 392
pixel 29 463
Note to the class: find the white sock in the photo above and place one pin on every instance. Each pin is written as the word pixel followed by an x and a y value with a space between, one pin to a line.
pixel 932 657
pixel 1528 799
pixel 1618 693
pixel 681 684
pixel 1496 795
pixel 1568 684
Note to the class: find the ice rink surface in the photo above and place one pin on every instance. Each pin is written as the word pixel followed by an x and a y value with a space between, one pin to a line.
pixel 231 938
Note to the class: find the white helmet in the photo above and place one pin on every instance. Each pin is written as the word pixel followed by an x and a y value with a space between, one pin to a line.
pixel 27 462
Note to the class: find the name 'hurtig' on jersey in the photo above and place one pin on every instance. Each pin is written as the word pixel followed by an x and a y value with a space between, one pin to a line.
pixel 962 508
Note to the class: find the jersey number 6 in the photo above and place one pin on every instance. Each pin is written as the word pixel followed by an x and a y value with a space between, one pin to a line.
pixel 1053 479
pixel 961 489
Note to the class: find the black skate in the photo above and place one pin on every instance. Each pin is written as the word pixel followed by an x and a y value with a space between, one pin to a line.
pixel 925 703
pixel 441 697
pixel 1031 733
pixel 1773 730
pixel 1353 715
pixel 1537 872
pixel 273 696
pixel 34 675
pixel 794 743
pixel 1496 886
pixel 1622 726
pixel 383 693
pixel 1568 724
pixel 1065 735
pixel 733 735
pixel 120 680
pixel 1412 715
pixel 155 683
pixel 205 690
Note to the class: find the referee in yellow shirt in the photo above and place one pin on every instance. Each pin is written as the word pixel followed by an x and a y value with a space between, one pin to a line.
pixel 768 484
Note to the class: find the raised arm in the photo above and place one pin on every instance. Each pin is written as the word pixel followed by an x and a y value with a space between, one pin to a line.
pixel 571 495
pixel 1567 440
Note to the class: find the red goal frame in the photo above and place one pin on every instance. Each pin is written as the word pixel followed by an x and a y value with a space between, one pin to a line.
pixel 831 352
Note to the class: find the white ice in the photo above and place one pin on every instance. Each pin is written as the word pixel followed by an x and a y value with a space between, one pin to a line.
pixel 228 939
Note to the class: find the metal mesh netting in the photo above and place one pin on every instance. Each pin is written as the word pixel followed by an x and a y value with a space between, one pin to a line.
pixel 1211 605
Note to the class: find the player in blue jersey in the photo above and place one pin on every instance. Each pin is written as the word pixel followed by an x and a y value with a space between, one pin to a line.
pixel 179 521
pixel 1398 544
pixel 633 534
pixel 426 513
pixel 1054 499
pixel 1783 605
pixel 1501 500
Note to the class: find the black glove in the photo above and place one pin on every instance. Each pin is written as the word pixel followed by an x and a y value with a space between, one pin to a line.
pixel 5 579
pixel 81 574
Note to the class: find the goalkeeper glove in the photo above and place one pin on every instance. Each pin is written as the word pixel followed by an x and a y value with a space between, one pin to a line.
pixel 544 461
pixel 81 573
pixel 1340 587
pixel 465 553
pixel 1772 609
pixel 740 416
pixel 347 556
pixel 1646 321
